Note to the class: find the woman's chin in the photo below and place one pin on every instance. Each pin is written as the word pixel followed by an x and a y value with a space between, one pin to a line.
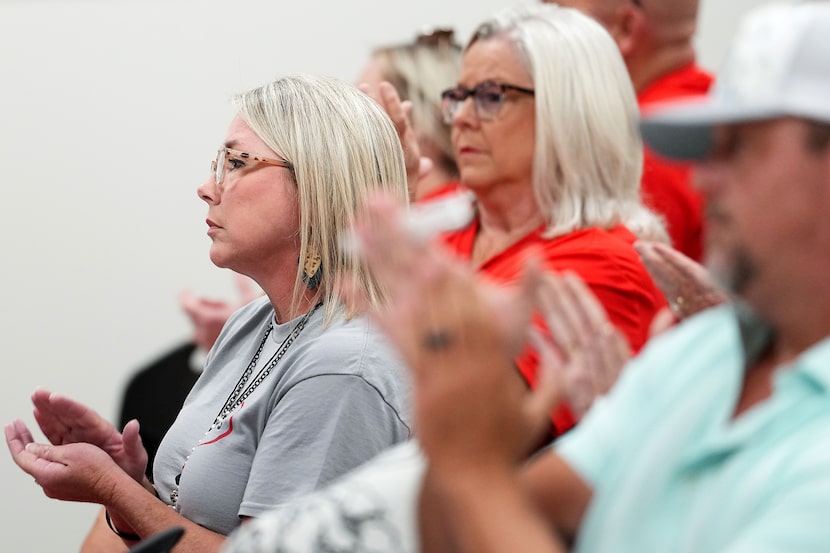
pixel 219 257
pixel 475 180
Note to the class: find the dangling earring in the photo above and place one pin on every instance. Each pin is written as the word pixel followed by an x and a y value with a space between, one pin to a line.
pixel 312 269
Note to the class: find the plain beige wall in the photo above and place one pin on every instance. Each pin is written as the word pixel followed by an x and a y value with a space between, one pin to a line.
pixel 110 112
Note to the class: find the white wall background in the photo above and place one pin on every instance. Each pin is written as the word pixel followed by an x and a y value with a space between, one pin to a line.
pixel 110 112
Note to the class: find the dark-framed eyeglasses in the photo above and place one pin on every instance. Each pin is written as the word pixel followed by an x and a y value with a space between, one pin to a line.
pixel 488 98
pixel 226 156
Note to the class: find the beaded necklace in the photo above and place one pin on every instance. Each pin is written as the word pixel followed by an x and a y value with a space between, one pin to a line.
pixel 241 392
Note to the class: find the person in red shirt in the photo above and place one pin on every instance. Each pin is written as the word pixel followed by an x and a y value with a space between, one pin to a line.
pixel 602 258
pixel 655 40
pixel 552 156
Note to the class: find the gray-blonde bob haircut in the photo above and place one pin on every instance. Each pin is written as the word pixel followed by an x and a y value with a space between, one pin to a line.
pixel 588 156
pixel 342 146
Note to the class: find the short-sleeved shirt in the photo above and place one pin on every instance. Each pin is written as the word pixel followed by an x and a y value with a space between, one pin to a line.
pixel 337 397
pixel 672 470
pixel 604 259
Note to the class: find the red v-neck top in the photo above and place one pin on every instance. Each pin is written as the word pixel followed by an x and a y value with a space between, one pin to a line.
pixel 604 259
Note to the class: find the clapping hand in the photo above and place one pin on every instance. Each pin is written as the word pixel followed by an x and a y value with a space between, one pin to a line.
pixel 687 285
pixel 459 335
pixel 65 421
pixel 73 472
pixel 584 349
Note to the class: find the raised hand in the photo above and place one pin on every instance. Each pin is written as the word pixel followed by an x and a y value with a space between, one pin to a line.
pixel 458 335
pixel 65 421
pixel 687 285
pixel 209 316
pixel 416 165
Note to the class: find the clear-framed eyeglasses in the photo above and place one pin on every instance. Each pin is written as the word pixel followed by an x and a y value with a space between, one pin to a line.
pixel 488 98
pixel 228 156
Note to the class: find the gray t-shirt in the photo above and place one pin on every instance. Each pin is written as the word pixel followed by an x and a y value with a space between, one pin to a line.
pixel 338 396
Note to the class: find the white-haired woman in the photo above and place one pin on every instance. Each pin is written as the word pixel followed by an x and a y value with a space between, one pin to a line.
pixel 297 389
pixel 544 128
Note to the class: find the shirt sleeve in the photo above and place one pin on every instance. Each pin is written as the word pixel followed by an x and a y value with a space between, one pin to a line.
pixel 322 427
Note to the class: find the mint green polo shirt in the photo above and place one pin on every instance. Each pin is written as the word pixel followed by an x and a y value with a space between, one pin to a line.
pixel 672 471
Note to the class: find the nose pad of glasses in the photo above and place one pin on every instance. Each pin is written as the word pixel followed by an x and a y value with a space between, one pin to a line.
pixel 217 167
pixel 448 114
pixel 457 109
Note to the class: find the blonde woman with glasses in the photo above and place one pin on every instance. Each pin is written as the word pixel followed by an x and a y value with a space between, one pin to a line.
pixel 299 388
pixel 543 122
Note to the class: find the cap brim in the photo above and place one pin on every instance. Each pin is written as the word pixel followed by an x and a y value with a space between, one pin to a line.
pixel 684 130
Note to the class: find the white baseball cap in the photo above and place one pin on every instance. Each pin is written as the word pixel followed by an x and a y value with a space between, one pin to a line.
pixel 778 65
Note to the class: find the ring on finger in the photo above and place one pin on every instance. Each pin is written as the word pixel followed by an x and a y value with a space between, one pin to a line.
pixel 678 305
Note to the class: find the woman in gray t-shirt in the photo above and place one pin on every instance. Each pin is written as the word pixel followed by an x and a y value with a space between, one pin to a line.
pixel 298 388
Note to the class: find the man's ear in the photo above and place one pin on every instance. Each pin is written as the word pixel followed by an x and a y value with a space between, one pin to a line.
pixel 629 29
